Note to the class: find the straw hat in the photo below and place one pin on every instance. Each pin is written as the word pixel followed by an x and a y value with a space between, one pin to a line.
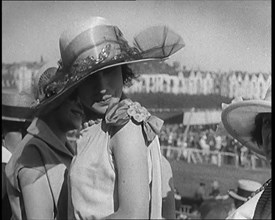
pixel 44 86
pixel 239 119
pixel 16 107
pixel 94 45
pixel 244 190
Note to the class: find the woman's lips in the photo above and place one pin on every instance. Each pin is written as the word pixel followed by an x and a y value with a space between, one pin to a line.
pixel 105 99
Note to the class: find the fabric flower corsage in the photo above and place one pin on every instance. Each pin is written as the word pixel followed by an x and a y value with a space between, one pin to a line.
pixel 120 113
pixel 138 112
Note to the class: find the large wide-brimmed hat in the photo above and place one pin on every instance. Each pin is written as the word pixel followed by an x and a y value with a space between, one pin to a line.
pixel 91 46
pixel 244 190
pixel 42 88
pixel 16 106
pixel 238 119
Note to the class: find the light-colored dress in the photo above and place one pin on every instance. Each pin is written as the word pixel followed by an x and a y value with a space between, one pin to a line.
pixel 93 173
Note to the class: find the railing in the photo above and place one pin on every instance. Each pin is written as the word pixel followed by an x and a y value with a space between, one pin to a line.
pixel 218 158
pixel 196 156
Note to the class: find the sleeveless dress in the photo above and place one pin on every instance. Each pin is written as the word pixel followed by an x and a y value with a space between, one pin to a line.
pixel 40 150
pixel 93 175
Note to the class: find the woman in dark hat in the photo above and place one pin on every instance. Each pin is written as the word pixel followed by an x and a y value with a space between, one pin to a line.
pixel 37 170
pixel 249 122
pixel 117 172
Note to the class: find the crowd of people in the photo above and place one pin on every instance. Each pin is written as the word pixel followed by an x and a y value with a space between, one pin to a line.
pixel 205 137
pixel 116 169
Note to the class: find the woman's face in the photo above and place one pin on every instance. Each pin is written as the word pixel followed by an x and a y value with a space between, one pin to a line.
pixel 98 90
pixel 70 113
pixel 266 136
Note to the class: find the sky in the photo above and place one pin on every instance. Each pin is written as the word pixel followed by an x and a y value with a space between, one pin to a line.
pixel 219 35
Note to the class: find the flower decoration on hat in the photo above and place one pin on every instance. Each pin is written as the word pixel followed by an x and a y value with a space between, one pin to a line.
pixel 94 45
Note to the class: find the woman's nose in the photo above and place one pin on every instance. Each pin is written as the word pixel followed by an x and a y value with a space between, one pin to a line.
pixel 102 83
pixel 78 102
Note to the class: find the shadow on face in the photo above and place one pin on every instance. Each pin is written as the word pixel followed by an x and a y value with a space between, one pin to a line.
pixel 97 91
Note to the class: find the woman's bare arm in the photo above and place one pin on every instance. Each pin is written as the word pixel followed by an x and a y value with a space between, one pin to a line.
pixel 130 152
pixel 37 198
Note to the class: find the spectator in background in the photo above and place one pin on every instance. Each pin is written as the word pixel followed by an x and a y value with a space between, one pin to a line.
pixel 214 209
pixel 244 190
pixel 216 158
pixel 15 119
pixel 170 144
pixel 218 140
pixel 215 189
pixel 177 199
pixel 168 189
pixel 205 147
pixel 200 193
pixel 244 157
pixel 199 197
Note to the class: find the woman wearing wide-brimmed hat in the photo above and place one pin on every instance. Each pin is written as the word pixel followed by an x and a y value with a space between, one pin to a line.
pixel 37 170
pixel 249 122
pixel 117 172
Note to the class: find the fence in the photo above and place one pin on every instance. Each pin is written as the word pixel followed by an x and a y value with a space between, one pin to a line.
pixel 218 158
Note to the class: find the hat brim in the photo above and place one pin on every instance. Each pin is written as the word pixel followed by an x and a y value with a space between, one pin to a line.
pixel 67 90
pixel 234 195
pixel 16 107
pixel 16 114
pixel 239 121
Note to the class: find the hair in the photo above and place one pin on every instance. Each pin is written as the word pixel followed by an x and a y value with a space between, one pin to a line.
pixel 128 75
pixel 256 133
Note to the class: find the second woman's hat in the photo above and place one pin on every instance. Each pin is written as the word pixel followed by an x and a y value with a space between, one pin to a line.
pixel 44 87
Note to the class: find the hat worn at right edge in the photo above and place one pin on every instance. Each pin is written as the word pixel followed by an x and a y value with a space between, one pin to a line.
pixel 239 119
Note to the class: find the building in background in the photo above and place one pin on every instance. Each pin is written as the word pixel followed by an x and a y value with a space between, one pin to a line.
pixel 164 80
